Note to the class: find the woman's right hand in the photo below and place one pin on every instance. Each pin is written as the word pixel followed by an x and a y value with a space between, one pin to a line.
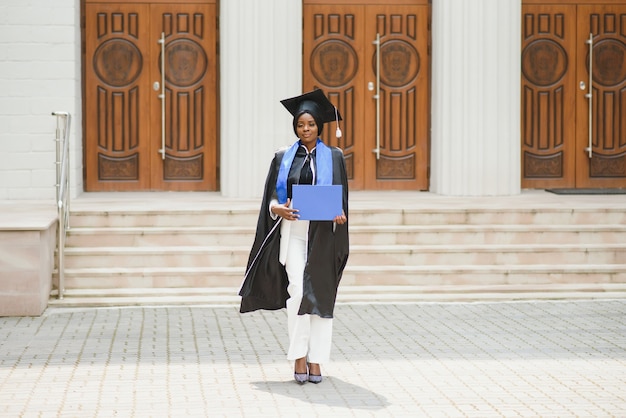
pixel 285 212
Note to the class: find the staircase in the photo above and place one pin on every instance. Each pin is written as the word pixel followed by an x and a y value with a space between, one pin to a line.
pixel 424 248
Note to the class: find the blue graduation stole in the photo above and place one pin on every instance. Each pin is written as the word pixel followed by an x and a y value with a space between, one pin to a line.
pixel 323 164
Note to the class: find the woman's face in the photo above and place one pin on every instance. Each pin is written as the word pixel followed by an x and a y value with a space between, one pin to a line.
pixel 306 128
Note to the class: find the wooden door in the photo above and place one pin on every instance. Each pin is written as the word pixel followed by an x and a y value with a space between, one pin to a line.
pixel 117 96
pixel 555 112
pixel 333 43
pixel 341 58
pixel 606 167
pixel 123 114
pixel 549 92
pixel 190 161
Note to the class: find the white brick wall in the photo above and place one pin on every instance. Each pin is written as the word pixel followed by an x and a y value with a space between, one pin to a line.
pixel 39 74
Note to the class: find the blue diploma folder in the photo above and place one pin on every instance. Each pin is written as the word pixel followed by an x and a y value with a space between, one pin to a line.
pixel 317 203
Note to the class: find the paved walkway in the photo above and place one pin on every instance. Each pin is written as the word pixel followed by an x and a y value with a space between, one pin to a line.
pixel 547 358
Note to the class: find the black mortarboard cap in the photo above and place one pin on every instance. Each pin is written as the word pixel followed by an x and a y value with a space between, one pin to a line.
pixel 314 102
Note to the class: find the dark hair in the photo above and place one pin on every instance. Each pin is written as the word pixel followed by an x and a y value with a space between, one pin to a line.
pixel 318 121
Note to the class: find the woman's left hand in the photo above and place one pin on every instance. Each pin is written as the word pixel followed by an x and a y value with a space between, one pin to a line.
pixel 341 219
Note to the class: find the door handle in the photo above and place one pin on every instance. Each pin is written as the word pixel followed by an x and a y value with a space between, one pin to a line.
pixel 162 95
pixel 589 96
pixel 377 96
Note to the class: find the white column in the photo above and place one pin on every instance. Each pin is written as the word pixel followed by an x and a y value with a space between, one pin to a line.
pixel 475 138
pixel 261 63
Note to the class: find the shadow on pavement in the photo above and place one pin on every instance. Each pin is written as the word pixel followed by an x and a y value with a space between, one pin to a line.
pixel 332 392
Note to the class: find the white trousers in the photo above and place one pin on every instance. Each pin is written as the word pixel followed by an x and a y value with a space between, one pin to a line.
pixel 309 335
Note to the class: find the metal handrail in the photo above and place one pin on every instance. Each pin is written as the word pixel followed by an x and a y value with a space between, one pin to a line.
pixel 62 139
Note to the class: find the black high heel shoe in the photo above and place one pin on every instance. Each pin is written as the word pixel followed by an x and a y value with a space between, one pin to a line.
pixel 314 378
pixel 301 378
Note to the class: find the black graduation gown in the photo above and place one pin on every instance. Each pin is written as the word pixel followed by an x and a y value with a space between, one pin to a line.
pixel 265 284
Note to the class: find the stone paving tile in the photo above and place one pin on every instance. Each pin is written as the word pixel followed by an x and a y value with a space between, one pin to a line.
pixel 549 358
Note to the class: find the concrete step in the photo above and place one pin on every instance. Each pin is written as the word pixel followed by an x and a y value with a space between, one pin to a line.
pixel 359 235
pixel 370 255
pixel 163 218
pixel 439 275
pixel 488 254
pixel 486 234
pixel 116 277
pixel 160 236
pixel 227 296
pixel 355 275
pixel 392 216
pixel 202 244
pixel 178 256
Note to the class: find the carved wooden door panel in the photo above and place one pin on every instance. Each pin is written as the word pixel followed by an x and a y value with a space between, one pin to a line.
pixel 117 97
pixel 404 109
pixel 333 42
pixel 124 146
pixel 341 58
pixel 548 96
pixel 190 156
pixel 606 167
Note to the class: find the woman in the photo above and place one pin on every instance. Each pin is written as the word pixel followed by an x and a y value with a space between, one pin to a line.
pixel 295 263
